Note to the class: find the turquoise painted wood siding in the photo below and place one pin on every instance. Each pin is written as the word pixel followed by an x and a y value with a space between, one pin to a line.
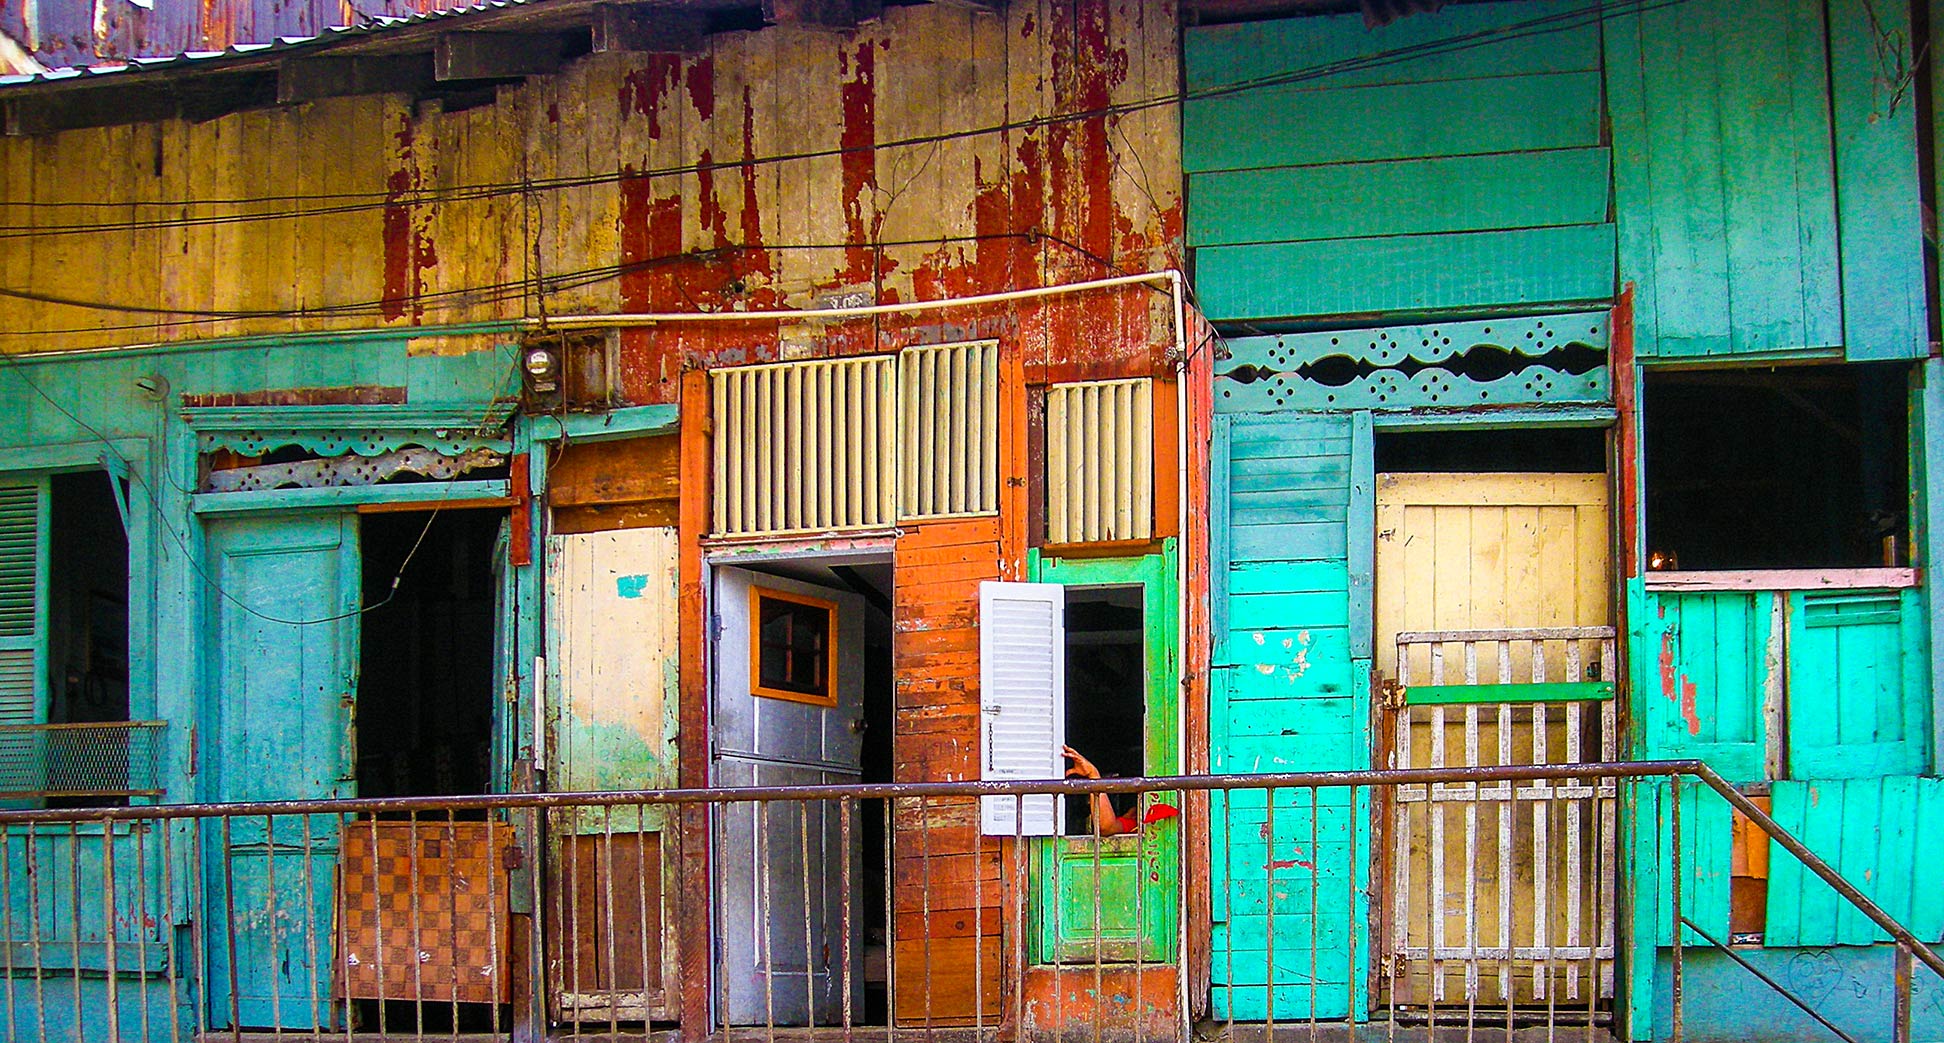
pixel 1472 176
pixel 1291 693
pixel 1766 187
pixel 1883 835
pixel 1705 863
pixel 1699 667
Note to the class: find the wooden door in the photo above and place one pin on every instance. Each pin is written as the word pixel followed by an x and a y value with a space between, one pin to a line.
pixel 276 725
pixel 1114 899
pixel 1496 591
pixel 611 618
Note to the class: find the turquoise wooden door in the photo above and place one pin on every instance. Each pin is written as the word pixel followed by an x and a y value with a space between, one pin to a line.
pixel 1857 684
pixel 1291 527
pixel 1115 898
pixel 276 725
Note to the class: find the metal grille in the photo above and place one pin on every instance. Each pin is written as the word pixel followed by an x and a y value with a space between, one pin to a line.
pixel 804 446
pixel 1543 930
pixel 80 760
pixel 1100 461
pixel 949 412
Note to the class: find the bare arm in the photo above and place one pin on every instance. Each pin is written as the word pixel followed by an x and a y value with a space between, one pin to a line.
pixel 1105 822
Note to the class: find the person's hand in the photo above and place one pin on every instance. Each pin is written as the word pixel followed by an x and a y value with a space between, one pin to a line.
pixel 1082 767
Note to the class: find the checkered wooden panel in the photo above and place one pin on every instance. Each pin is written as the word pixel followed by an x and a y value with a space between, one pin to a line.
pixel 423 912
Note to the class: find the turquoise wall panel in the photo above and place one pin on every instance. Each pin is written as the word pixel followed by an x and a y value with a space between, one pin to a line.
pixel 1454 162
pixel 1699 666
pixel 1883 835
pixel 1457 272
pixel 1854 989
pixel 1447 194
pixel 1760 213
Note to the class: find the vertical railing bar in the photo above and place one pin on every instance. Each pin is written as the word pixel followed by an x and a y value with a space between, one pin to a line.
pixel 452 911
pixel 1018 892
pixel 1575 852
pixel 1472 757
pixel 845 811
pixel 978 935
pixel 74 921
pixel 34 928
pixel 1674 789
pixel 924 833
pixel 1228 898
pixel 378 928
pixel 642 838
pixel 498 971
pixel 1351 864
pixel 1608 853
pixel 199 939
pixel 167 921
pixel 763 886
pixel 611 973
pixel 137 829
pixel 809 949
pixel 109 942
pixel 343 956
pixel 229 927
pixel 1901 1014
pixel 1141 855
pixel 7 924
pixel 1099 954
pixel 1316 884
pixel 416 851
pixel 890 930
pixel 1269 918
pixel 1434 809
pixel 1542 815
pixel 310 929
pixel 1507 812
pixel 1400 841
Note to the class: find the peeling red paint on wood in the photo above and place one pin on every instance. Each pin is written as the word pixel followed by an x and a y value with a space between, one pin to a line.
pixel 408 247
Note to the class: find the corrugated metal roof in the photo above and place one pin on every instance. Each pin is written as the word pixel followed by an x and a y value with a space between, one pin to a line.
pixel 109 72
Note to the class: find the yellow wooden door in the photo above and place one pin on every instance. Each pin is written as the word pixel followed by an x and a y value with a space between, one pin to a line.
pixel 1499 894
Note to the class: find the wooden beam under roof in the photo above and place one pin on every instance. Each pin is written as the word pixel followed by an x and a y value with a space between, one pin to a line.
pixel 649 29
pixel 334 76
pixel 822 14
pixel 496 56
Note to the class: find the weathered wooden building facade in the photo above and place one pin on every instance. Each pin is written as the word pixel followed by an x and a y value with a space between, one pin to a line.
pixel 1575 406
pixel 486 395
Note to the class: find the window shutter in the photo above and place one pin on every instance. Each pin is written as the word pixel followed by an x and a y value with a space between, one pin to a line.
pixel 1022 702
pixel 23 535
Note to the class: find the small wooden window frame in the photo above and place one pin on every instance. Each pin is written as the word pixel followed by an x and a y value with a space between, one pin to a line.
pixel 756 595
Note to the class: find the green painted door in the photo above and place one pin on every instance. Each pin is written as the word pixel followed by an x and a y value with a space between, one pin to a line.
pixel 1115 899
pixel 276 724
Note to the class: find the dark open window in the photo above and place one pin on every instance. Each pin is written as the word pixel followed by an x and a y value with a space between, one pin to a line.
pixel 795 646
pixel 1106 689
pixel 1776 468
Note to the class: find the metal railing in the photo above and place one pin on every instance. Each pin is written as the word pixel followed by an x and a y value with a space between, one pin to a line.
pixel 116 759
pixel 860 912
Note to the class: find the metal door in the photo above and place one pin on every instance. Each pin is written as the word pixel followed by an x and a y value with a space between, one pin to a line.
pixel 276 725
pixel 784 864
pixel 1494 612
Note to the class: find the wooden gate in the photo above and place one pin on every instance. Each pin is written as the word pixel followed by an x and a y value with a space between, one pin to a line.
pixel 1494 613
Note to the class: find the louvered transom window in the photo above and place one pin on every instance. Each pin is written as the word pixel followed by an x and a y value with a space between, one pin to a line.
pixel 950 417
pixel 804 446
pixel 1022 702
pixel 1100 461
pixel 816 446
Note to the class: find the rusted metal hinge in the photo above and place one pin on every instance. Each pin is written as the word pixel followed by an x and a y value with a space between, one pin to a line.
pixel 1391 694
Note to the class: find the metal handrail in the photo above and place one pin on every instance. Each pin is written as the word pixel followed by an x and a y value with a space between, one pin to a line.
pixel 1780 989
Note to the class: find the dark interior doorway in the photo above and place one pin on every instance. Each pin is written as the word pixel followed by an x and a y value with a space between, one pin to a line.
pixel 1106 689
pixel 425 685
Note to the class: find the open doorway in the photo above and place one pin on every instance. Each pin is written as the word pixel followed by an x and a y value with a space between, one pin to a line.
pixel 426 695
pixel 803 694
pixel 425 683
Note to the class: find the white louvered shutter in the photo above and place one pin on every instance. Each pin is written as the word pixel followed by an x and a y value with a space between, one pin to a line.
pixel 23 541
pixel 1022 702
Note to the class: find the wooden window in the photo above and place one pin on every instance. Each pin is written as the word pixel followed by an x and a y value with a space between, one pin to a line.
pixel 793 647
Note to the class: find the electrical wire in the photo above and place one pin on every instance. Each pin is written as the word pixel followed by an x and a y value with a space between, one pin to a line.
pixel 182 544
pixel 362 201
